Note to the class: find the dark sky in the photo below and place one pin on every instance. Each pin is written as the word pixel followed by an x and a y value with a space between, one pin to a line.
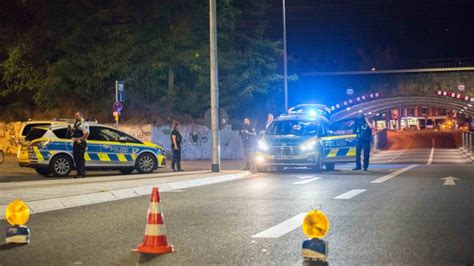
pixel 325 30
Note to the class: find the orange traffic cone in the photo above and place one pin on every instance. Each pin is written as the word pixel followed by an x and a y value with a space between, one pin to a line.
pixel 155 240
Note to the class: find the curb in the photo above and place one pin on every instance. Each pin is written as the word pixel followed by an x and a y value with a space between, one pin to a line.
pixel 112 195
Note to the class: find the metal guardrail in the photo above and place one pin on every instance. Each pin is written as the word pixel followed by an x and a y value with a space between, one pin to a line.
pixel 468 143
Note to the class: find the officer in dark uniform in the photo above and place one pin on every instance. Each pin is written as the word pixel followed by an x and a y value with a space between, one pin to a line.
pixel 80 132
pixel 364 138
pixel 248 135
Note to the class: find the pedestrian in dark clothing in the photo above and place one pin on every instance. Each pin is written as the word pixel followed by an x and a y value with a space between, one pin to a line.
pixel 364 137
pixel 176 140
pixel 79 134
pixel 269 121
pixel 248 135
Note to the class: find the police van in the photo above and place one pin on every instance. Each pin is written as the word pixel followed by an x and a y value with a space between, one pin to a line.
pixel 48 150
pixel 305 137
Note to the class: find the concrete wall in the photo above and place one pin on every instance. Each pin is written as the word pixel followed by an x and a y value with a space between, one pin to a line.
pixel 197 142
pixel 9 136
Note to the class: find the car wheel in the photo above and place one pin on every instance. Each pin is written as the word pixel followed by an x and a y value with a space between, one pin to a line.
pixel 126 171
pixel 330 166
pixel 43 171
pixel 319 164
pixel 61 165
pixel 146 163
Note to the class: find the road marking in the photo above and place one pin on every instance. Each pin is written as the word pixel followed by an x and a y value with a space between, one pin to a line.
pixel 350 194
pixel 394 174
pixel 449 180
pixel 306 181
pixel 430 159
pixel 305 176
pixel 282 228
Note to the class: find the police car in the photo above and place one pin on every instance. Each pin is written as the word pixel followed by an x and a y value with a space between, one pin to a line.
pixel 48 150
pixel 304 137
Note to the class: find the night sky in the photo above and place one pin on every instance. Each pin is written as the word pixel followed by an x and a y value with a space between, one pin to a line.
pixel 334 30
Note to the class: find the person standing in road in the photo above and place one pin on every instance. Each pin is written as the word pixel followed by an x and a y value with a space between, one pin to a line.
pixel 269 120
pixel 248 135
pixel 176 140
pixel 364 137
pixel 79 134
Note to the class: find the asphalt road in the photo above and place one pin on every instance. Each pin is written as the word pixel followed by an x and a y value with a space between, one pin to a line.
pixel 411 218
pixel 11 172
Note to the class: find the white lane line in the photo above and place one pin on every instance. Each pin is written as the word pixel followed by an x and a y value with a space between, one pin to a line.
pixel 430 159
pixel 305 176
pixel 306 181
pixel 350 194
pixel 282 228
pixel 393 174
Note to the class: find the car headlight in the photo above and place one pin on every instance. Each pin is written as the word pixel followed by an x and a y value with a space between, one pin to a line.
pixel 262 145
pixel 308 145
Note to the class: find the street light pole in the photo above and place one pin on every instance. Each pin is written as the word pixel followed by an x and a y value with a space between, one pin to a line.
pixel 215 167
pixel 285 56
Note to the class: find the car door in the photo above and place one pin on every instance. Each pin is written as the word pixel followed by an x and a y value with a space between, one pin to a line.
pixel 115 150
pixel 93 153
pixel 340 143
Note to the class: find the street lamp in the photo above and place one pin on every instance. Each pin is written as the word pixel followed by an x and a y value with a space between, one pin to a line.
pixel 215 167
pixel 285 56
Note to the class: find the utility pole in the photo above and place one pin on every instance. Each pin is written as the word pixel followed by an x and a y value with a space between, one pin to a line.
pixel 285 56
pixel 216 159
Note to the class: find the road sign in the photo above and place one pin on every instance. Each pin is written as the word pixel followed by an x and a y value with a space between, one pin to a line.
pixel 350 91
pixel 461 87
pixel 120 91
pixel 117 107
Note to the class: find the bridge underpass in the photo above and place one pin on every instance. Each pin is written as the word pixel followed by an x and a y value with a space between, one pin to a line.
pixel 418 146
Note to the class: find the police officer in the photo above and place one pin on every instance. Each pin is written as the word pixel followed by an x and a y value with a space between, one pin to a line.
pixel 176 140
pixel 248 135
pixel 80 132
pixel 269 120
pixel 364 138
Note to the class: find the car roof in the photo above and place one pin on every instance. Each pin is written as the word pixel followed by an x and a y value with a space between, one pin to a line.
pixel 298 117
pixel 54 127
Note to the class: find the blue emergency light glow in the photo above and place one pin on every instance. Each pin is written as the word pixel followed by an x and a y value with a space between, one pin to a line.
pixel 313 113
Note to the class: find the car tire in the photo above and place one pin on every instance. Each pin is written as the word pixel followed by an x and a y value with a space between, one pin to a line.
pixel 45 172
pixel 146 163
pixel 330 166
pixel 61 165
pixel 319 164
pixel 126 171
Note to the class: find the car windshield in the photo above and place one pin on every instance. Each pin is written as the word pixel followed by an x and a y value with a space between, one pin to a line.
pixel 35 133
pixel 294 127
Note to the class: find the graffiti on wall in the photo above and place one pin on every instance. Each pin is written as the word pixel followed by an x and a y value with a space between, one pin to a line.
pixel 197 142
pixel 140 131
pixel 9 136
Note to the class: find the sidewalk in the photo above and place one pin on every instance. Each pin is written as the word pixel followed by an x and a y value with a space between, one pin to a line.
pixel 48 195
